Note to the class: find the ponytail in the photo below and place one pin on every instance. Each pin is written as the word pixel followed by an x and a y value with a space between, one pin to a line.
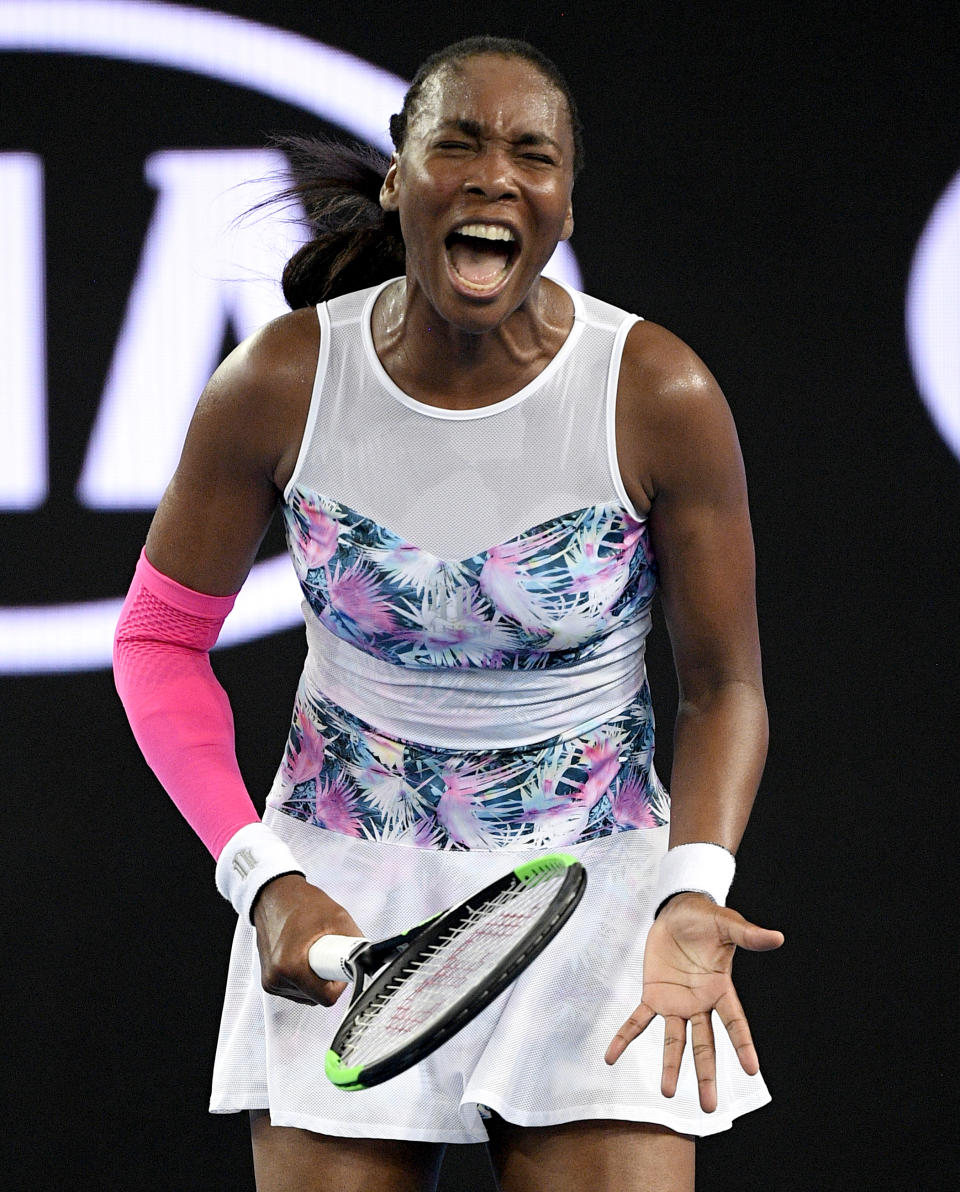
pixel 355 242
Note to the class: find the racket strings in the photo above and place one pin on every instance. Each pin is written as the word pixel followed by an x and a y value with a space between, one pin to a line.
pixel 463 958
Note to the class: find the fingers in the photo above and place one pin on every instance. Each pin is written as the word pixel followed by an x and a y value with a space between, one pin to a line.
pixel 704 1060
pixel 330 991
pixel 326 995
pixel 635 1025
pixel 333 990
pixel 704 1057
pixel 735 1024
pixel 674 1041
pixel 703 1045
pixel 293 979
pixel 290 915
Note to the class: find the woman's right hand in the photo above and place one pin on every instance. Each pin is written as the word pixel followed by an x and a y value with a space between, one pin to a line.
pixel 289 915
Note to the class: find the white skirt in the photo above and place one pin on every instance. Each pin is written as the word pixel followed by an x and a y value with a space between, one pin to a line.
pixel 535 1055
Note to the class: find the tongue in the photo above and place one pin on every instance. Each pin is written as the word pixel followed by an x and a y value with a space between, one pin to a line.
pixel 477 263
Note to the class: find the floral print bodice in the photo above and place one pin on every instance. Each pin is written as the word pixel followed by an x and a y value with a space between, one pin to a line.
pixel 545 598
pixel 455 697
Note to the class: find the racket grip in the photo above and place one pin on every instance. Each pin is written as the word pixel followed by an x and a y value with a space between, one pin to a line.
pixel 330 956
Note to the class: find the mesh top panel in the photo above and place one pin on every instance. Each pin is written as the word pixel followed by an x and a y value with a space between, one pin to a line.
pixel 457 482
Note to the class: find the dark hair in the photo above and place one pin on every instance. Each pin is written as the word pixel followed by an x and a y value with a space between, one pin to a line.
pixel 355 242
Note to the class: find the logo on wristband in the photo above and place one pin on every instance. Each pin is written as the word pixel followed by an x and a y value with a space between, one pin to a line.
pixel 244 862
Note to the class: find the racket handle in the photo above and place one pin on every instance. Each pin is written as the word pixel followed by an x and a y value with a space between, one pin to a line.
pixel 330 956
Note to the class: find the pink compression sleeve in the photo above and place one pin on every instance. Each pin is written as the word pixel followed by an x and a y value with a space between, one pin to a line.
pixel 178 711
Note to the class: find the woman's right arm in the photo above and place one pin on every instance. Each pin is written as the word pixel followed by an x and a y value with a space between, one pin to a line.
pixel 239 453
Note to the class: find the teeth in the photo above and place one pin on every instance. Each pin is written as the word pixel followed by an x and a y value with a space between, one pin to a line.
pixel 485 231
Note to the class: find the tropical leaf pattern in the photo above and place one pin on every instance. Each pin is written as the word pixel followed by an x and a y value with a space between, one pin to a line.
pixel 344 775
pixel 547 598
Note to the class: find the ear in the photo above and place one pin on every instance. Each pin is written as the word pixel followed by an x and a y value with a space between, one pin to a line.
pixel 567 223
pixel 388 191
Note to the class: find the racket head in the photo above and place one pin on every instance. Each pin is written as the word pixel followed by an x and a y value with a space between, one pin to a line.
pixel 495 934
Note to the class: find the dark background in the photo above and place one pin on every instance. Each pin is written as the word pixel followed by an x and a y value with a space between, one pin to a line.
pixel 757 179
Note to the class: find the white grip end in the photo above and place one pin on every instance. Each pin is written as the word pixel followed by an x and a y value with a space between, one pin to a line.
pixel 330 956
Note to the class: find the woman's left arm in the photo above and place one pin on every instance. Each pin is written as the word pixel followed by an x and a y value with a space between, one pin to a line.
pixel 680 457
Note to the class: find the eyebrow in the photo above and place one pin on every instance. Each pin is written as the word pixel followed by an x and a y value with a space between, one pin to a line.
pixel 473 128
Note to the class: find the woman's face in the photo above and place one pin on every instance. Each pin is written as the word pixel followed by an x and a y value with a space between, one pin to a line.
pixel 483 187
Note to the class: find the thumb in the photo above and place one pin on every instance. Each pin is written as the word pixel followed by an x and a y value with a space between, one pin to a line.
pixel 744 934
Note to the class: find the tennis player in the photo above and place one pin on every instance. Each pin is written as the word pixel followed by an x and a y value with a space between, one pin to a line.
pixel 484 478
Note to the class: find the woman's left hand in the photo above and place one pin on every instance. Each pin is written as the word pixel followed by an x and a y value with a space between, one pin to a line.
pixel 686 975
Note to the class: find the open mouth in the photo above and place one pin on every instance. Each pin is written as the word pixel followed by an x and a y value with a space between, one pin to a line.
pixel 480 255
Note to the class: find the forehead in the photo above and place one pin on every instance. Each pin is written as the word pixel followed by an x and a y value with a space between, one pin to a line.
pixel 501 94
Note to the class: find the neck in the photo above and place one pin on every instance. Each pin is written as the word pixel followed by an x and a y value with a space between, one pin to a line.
pixel 445 365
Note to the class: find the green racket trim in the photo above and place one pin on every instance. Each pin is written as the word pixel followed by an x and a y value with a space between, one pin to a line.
pixel 531 872
pixel 343 1078
pixel 462 1010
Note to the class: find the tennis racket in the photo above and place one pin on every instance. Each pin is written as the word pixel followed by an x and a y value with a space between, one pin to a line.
pixel 429 982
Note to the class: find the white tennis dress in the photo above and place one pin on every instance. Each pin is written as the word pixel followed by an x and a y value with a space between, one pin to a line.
pixel 477 590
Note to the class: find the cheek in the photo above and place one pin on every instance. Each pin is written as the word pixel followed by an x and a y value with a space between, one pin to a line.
pixel 549 189
pixel 417 199
pixel 554 204
pixel 416 238
pixel 424 208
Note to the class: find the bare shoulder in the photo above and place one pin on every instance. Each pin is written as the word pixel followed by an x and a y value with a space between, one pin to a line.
pixel 278 358
pixel 673 421
pixel 241 445
pixel 663 374
pixel 258 399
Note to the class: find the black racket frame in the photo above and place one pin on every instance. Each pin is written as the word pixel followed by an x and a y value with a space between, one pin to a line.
pixel 412 943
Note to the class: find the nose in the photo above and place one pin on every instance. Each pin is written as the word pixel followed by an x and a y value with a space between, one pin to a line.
pixel 491 175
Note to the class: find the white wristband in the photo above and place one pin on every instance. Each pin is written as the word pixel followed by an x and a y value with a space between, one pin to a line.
pixel 252 857
pixel 696 868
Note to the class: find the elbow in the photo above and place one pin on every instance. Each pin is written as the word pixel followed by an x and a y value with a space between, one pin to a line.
pixel 736 704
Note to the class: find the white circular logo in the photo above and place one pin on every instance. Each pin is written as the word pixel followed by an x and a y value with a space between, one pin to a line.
pixel 933 315
pixel 126 454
